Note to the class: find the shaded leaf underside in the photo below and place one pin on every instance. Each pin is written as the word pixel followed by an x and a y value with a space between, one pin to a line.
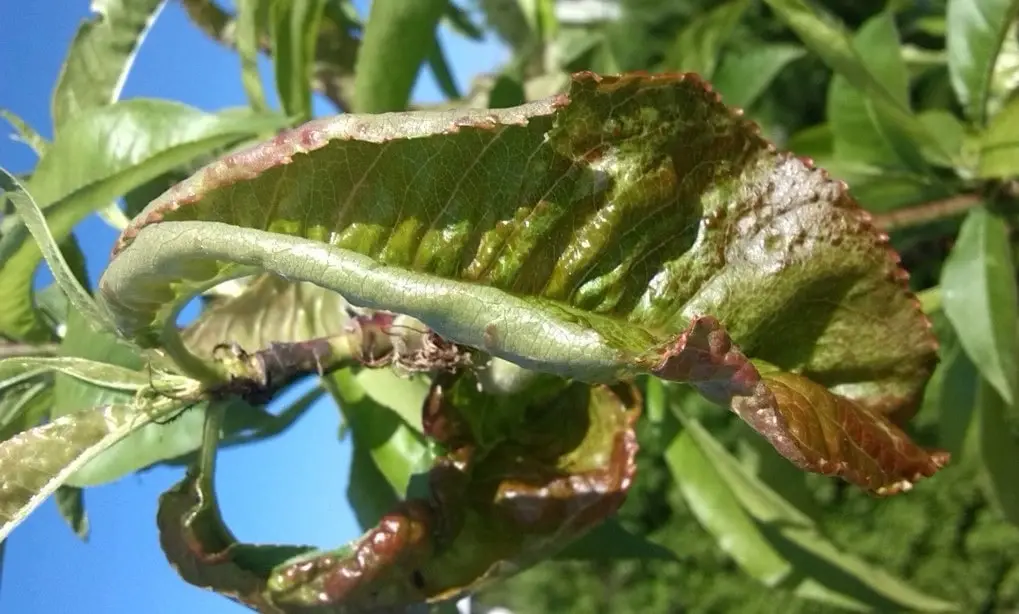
pixel 579 235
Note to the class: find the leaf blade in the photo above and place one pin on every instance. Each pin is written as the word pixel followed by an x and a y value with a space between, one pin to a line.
pixel 976 30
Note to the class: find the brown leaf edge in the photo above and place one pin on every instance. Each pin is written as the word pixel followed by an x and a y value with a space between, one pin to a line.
pixel 814 428
pixel 490 513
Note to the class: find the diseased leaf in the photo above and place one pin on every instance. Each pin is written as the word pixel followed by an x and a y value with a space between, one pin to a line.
pixel 295 25
pixel 24 406
pixel 979 297
pixel 590 256
pixel 865 129
pixel 34 463
pixel 71 505
pixel 699 44
pixel 26 134
pixel 386 72
pixel 743 77
pixel 100 57
pixel 976 29
pixel 494 508
pixel 816 430
pixel 98 157
pixel 998 145
pixel 32 217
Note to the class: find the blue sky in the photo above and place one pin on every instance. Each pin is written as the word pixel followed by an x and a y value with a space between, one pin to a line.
pixel 288 490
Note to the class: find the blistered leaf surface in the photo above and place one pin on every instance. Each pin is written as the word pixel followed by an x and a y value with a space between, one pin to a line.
pixel 611 217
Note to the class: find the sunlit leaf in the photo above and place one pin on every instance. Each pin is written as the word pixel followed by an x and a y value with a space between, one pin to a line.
pixel 743 77
pixel 998 145
pixel 97 373
pixel 100 56
pixel 979 296
pixel 97 157
pixel 699 44
pixel 590 256
pixel 295 27
pixel 26 134
pixel 34 463
pixel 976 29
pixel 386 72
pixel 248 22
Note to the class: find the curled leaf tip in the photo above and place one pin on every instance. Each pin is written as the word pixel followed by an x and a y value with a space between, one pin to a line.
pixel 814 428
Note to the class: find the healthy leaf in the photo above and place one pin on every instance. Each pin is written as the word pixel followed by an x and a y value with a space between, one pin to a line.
pixel 819 570
pixel 954 387
pixel 700 42
pixel 998 449
pixel 71 505
pixel 386 72
pixel 976 30
pixel 979 297
pixel 97 373
pixel 611 541
pixel 443 74
pixel 33 464
pixel 32 217
pixel 24 406
pixel 98 157
pixel 295 26
pixel 248 13
pixel 998 145
pixel 100 57
pixel 743 77
pixel 26 134
pixel 827 38
pixel 865 129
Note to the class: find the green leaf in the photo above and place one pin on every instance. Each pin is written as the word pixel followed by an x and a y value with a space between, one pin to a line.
pixel 38 461
pixel 71 505
pixel 97 373
pixel 700 42
pixel 998 449
pixel 979 293
pixel 443 75
pixel 818 570
pixel 976 30
pixel 460 22
pixel 100 57
pixel 591 260
pixel 865 128
pixel 827 38
pixel 98 157
pixel 32 217
pixel 386 72
pixel 26 133
pixel 998 145
pixel 954 388
pixel 24 406
pixel 295 26
pixel 743 77
pixel 248 22
pixel 611 541
pixel 720 513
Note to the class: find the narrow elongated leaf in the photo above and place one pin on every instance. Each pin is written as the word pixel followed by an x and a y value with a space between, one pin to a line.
pixel 33 464
pixel 979 293
pixel 71 505
pixel 294 35
pixel 865 129
pixel 248 12
pixel 998 145
pixel 819 570
pixel 32 217
pixel 743 77
pixel 100 57
pixel 954 388
pixel 386 72
pixel 26 134
pixel 823 35
pixel 998 449
pixel 591 258
pixel 699 44
pixel 97 158
pixel 976 29
pixel 96 373
pixel 443 74
pixel 611 541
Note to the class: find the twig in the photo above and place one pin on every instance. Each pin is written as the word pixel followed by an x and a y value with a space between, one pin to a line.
pixel 333 74
pixel 14 350
pixel 927 212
